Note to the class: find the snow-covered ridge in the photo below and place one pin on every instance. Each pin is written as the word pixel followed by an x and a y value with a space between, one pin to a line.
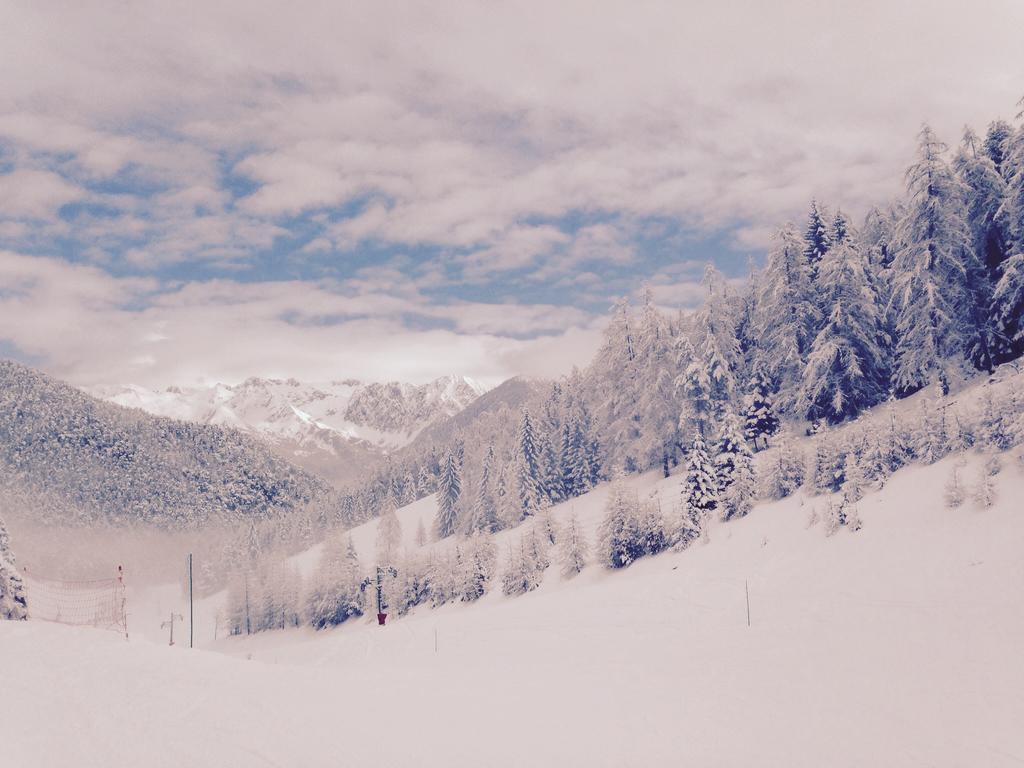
pixel 311 422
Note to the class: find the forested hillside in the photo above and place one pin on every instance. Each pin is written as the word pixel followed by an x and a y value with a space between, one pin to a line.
pixel 927 290
pixel 70 459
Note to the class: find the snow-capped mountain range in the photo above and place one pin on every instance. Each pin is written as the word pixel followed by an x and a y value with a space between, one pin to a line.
pixel 334 428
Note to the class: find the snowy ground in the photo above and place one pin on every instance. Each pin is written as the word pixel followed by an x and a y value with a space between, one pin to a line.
pixel 897 645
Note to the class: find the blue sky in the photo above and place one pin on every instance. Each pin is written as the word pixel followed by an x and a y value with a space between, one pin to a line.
pixel 219 190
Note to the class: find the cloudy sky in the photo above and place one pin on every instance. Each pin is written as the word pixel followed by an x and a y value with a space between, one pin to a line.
pixel 198 191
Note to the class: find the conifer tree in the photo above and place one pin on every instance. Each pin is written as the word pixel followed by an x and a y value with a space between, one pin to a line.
pixel 732 450
pixel 935 304
pixel 846 369
pixel 760 421
pixel 389 534
pixel 1008 296
pixel 786 317
pixel 618 536
pixel 449 488
pixel 529 476
pixel 13 603
pixel 573 549
pixel 817 238
pixel 483 517
pixel 335 592
pixel 700 495
pixel 477 558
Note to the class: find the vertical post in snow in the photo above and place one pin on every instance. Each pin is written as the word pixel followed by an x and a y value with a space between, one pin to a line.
pixel 191 614
pixel 435 639
pixel 746 589
pixel 248 622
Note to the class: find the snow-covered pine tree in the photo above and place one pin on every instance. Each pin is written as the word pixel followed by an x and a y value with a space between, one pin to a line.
pixel 788 469
pixel 443 575
pixel 717 349
pixel 476 566
pixel 786 316
pixel 389 533
pixel 846 367
pixel 760 421
pixel 483 515
pixel 657 409
pixel 731 448
pixel 529 475
pixel 618 537
pixel 986 191
pixel 854 482
pixel 614 378
pixel 335 591
pixel 993 429
pixel 935 302
pixel 573 549
pixel 985 488
pixel 817 237
pixel 996 145
pixel 545 524
pixel 931 439
pixel 13 603
pixel 739 496
pixel 449 487
pixel 700 495
pixel 829 458
pixel 1008 298
pixel 955 493
pixel 421 533
pixel 651 528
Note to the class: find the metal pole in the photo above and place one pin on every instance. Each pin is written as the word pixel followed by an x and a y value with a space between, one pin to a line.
pixel 746 588
pixel 191 614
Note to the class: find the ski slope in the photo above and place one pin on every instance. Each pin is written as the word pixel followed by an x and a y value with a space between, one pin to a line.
pixel 897 645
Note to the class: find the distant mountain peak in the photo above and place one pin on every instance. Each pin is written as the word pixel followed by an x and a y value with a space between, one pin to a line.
pixel 335 428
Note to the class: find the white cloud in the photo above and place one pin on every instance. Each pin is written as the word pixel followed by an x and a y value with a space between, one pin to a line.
pixel 200 128
pixel 89 327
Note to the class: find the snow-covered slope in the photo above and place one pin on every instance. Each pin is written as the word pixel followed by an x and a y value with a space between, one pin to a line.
pixel 896 645
pixel 336 428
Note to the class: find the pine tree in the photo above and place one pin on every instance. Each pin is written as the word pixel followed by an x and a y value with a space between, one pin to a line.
pixel 476 566
pixel 13 603
pixel 997 142
pixel 817 239
pixel 717 349
pixel 846 369
pixel 483 517
pixel 786 316
pixel 657 409
pixel 529 476
pixel 449 487
pixel 854 481
pixel 955 493
pixel 618 537
pixel 573 549
pixel 1008 296
pixel 986 190
pixel 389 534
pixel 336 589
pixel 935 303
pixel 985 489
pixel 829 460
pixel 421 533
pixel 700 495
pixel 732 450
pixel 760 421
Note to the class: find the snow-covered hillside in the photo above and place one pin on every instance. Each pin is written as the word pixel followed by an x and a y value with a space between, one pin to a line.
pixel 898 644
pixel 335 428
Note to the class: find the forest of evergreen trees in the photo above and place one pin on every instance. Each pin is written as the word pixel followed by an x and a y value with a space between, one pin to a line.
pixel 926 291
